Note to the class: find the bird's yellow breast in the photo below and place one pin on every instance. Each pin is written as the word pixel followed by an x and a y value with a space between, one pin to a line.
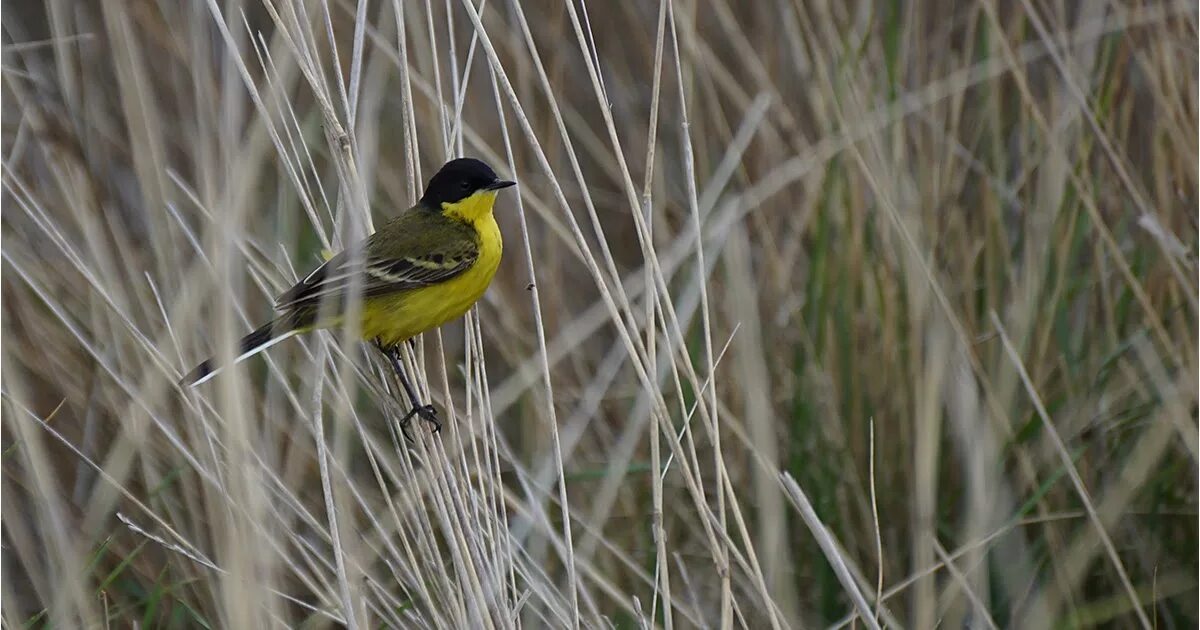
pixel 395 318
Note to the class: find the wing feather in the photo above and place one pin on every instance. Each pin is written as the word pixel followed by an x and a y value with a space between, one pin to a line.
pixel 416 250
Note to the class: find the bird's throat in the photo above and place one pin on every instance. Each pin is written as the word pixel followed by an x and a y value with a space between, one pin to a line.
pixel 471 209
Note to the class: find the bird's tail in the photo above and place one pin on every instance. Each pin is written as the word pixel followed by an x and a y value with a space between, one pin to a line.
pixel 264 337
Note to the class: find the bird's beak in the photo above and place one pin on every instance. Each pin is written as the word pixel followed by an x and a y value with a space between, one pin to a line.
pixel 498 184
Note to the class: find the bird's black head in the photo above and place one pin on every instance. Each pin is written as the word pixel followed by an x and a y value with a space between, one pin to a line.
pixel 460 179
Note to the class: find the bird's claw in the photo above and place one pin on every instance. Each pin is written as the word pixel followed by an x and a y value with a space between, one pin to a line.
pixel 425 412
pixel 429 414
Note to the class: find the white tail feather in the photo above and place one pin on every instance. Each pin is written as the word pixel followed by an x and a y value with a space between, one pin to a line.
pixel 245 355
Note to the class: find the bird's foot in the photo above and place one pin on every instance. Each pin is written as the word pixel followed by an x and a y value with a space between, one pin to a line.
pixel 425 412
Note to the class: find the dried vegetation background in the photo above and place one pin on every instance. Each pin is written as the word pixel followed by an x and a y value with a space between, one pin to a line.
pixel 811 314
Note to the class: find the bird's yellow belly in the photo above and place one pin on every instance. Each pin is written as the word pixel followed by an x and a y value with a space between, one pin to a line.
pixel 394 318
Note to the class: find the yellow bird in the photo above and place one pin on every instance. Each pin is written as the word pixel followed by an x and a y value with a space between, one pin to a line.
pixel 420 270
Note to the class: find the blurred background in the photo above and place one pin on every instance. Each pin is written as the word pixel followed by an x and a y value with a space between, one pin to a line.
pixel 812 314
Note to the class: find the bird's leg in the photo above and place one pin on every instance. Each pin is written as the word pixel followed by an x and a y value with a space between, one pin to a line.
pixel 425 412
pixel 396 367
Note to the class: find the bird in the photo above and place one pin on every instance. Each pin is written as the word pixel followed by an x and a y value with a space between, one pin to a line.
pixel 423 268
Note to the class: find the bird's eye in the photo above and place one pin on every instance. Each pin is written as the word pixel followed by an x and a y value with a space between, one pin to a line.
pixel 466 186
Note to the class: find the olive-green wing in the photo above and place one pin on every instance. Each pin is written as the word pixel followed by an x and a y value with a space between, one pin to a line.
pixel 418 249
